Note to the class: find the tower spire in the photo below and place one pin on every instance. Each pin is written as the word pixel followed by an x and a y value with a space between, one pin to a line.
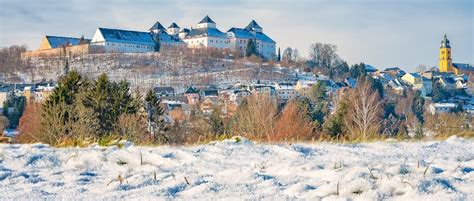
pixel 445 42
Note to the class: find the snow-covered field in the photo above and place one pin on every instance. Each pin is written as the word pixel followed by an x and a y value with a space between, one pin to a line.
pixel 239 169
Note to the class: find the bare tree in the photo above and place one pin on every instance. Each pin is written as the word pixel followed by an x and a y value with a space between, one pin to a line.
pixel 364 112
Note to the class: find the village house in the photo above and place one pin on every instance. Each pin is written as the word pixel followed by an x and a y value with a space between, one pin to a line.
pixel 285 92
pixel 192 95
pixel 303 87
pixel 439 108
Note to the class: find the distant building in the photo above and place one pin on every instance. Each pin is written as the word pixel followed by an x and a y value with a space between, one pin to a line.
pixel 117 40
pixel 167 37
pixel 285 92
pixel 446 63
pixel 438 108
pixel 206 34
pixel 50 42
pixel 239 38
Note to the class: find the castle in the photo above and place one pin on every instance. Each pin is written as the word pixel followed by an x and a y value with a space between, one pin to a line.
pixel 446 63
pixel 205 35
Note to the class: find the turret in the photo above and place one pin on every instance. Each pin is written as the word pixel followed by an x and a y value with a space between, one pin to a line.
pixel 253 26
pixel 157 27
pixel 206 22
pixel 173 29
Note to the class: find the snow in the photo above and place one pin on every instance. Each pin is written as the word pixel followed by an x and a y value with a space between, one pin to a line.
pixel 239 169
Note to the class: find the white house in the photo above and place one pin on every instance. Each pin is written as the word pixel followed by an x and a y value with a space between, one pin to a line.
pixel 116 40
pixel 239 38
pixel 206 35
pixel 437 108
pixel 285 92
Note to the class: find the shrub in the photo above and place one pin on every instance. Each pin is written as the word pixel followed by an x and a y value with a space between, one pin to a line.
pixel 292 124
pixel 30 124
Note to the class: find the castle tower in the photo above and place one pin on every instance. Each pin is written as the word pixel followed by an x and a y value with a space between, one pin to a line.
pixel 445 61
pixel 206 22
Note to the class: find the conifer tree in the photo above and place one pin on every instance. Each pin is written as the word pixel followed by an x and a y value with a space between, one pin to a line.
pixel 335 126
pixel 216 122
pixel 13 109
pixel 156 123
pixel 251 48
pixel 418 106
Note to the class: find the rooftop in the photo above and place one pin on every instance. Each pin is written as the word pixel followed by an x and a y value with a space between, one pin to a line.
pixel 126 36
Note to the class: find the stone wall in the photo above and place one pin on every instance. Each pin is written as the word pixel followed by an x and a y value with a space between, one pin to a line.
pixel 69 50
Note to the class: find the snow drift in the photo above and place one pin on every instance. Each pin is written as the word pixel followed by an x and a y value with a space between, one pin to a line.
pixel 239 169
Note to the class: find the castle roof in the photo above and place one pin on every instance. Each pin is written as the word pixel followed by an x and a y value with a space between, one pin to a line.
pixel 58 41
pixel 157 26
pixel 252 25
pixel 206 31
pixel 173 25
pixel 246 34
pixel 126 36
pixel 207 19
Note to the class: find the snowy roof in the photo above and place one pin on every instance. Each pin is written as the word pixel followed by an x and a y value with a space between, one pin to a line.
pixel 184 30
pixel 173 25
pixel 206 31
pixel 206 19
pixel 240 33
pixel 462 66
pixel 58 41
pixel 370 68
pixel 160 90
pixel 157 26
pixel 452 105
pixel 125 36
pixel 192 90
pixel 246 34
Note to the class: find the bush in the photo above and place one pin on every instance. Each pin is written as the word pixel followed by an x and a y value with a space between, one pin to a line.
pixel 3 123
pixel 293 124
pixel 255 117
pixel 30 124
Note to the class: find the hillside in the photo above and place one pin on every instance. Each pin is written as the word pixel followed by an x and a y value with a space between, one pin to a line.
pixel 240 169
pixel 147 69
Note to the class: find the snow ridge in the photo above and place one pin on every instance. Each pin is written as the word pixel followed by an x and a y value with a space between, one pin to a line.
pixel 238 169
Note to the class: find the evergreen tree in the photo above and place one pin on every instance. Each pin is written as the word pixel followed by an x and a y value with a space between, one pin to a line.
pixel 59 111
pixel 216 122
pixel 251 48
pixel 98 97
pixel 13 109
pixel 156 123
pixel 335 126
pixel 418 106
pixel 157 42
pixel 357 70
pixel 279 55
pixel 438 93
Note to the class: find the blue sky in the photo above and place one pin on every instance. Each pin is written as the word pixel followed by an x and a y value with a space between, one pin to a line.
pixel 386 33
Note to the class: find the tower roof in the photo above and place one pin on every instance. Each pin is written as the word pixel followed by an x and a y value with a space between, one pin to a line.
pixel 173 25
pixel 157 26
pixel 253 24
pixel 445 42
pixel 206 19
